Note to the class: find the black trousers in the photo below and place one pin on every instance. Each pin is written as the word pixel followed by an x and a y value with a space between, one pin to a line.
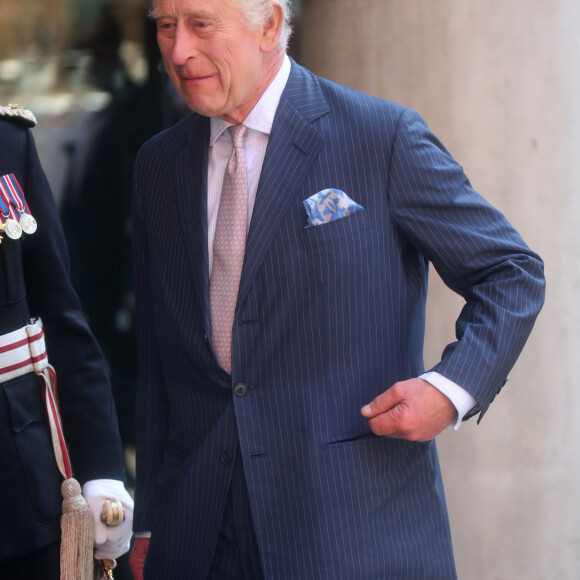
pixel 43 564
pixel 237 556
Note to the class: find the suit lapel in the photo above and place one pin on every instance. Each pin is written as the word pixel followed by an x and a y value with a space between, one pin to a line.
pixel 293 146
pixel 191 181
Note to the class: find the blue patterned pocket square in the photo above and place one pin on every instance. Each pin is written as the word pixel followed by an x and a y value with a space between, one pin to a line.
pixel 329 205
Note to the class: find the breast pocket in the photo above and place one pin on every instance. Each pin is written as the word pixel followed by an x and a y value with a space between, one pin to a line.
pixel 340 252
pixel 32 441
pixel 341 258
pixel 336 231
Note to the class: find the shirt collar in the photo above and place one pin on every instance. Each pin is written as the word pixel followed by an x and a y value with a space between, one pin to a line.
pixel 261 117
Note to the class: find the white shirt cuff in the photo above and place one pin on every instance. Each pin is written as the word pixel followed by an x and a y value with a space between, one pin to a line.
pixel 460 398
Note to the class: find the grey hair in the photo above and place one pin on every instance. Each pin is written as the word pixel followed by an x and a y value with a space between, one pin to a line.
pixel 257 12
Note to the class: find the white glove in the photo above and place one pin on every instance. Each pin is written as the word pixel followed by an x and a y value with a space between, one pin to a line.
pixel 110 541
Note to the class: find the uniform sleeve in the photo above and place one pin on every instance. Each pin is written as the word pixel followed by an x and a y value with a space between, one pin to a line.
pixel 87 408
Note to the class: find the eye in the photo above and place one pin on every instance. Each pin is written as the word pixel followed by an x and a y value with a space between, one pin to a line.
pixel 201 26
pixel 165 26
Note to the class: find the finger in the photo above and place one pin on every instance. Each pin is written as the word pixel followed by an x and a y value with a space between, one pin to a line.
pixel 100 533
pixel 390 423
pixel 138 556
pixel 382 425
pixel 380 404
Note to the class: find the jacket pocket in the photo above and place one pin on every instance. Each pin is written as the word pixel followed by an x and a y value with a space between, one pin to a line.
pixel 32 440
pixel 358 439
pixel 336 230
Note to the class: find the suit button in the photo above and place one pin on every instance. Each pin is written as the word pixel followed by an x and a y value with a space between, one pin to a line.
pixel 227 457
pixel 241 390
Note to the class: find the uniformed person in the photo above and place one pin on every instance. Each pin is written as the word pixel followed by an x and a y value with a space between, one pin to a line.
pixel 41 321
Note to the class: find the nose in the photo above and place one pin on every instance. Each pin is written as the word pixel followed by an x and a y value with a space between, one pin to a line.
pixel 184 45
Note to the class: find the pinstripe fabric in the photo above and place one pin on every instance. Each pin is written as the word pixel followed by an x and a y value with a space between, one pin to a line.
pixel 236 556
pixel 327 318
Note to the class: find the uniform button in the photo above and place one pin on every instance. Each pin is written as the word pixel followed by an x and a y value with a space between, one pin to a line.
pixel 241 390
pixel 227 457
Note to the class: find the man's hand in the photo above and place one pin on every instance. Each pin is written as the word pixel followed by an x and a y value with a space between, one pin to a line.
pixel 137 558
pixel 412 409
pixel 110 541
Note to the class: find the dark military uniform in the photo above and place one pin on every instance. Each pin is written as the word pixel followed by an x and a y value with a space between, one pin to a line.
pixel 34 282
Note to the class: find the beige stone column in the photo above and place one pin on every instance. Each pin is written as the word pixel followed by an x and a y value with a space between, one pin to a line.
pixel 499 83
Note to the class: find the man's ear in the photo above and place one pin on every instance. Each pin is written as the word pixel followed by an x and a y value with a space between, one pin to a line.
pixel 272 29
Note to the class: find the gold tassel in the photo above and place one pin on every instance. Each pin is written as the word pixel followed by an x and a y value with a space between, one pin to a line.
pixel 78 534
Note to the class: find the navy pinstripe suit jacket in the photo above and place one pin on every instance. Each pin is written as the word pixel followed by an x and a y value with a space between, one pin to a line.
pixel 327 318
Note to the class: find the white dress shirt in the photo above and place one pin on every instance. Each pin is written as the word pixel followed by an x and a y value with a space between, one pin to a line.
pixel 259 123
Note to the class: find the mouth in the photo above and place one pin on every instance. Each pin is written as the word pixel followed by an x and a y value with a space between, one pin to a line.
pixel 197 78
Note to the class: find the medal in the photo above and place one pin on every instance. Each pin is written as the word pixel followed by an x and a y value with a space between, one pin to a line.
pixel 27 223
pixel 12 229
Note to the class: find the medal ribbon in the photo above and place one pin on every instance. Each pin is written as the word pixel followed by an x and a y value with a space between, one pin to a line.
pixel 10 186
pixel 9 203
pixel 4 214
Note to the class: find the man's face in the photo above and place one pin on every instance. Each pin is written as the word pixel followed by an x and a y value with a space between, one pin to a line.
pixel 216 64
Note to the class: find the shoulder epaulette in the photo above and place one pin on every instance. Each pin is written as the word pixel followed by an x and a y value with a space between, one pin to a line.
pixel 18 114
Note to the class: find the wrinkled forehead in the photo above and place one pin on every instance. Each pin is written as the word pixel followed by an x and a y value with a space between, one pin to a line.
pixel 210 10
pixel 188 6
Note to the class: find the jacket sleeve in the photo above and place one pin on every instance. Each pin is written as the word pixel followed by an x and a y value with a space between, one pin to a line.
pixel 151 400
pixel 88 413
pixel 477 253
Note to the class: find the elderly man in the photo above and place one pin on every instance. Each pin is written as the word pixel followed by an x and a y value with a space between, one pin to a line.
pixel 282 238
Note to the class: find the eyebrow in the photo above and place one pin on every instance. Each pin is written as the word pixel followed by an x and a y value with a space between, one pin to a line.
pixel 155 14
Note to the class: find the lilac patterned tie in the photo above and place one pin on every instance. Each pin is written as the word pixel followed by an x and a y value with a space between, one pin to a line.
pixel 228 249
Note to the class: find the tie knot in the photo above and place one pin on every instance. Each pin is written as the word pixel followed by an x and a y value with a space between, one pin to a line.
pixel 238 133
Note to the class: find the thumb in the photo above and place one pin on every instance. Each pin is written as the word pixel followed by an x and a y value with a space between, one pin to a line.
pixel 379 404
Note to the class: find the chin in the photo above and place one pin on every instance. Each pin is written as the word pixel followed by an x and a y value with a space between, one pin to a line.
pixel 205 109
